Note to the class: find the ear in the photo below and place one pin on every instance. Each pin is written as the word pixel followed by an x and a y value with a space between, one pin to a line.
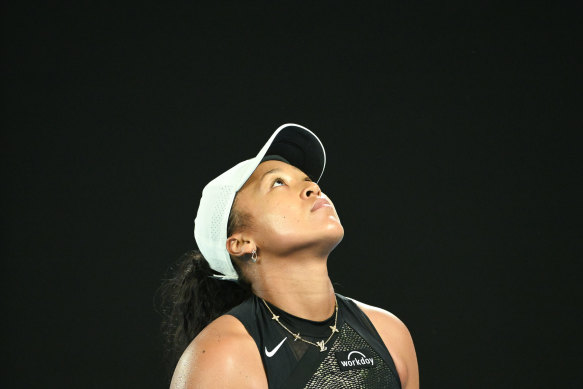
pixel 239 245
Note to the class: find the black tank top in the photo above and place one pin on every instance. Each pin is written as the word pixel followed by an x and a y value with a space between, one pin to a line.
pixel 356 356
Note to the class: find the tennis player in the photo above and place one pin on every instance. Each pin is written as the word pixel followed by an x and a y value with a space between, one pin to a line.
pixel 255 307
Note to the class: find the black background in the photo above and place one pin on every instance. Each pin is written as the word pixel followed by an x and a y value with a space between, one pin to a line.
pixel 452 160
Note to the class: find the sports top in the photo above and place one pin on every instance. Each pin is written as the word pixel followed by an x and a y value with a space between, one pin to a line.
pixel 355 357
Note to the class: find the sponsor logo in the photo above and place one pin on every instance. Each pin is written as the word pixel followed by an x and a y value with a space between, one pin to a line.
pixel 272 352
pixel 355 359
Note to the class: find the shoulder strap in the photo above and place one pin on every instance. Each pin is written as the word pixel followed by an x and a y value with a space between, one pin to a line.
pixel 358 320
pixel 245 313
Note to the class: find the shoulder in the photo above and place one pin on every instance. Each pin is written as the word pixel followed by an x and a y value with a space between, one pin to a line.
pixel 384 320
pixel 398 340
pixel 223 355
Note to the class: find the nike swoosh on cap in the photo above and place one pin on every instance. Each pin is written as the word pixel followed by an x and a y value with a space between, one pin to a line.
pixel 272 352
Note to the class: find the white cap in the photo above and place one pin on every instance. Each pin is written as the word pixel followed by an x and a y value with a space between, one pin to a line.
pixel 296 144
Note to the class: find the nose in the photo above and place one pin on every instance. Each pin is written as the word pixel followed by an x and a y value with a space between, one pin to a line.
pixel 311 189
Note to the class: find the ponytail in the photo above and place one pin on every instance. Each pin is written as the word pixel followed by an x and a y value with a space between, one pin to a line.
pixel 191 299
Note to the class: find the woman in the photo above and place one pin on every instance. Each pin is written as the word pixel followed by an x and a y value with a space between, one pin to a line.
pixel 257 308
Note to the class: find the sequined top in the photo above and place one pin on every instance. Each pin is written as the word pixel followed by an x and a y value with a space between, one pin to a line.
pixel 355 357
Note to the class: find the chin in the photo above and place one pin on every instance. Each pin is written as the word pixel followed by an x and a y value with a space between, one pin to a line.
pixel 334 234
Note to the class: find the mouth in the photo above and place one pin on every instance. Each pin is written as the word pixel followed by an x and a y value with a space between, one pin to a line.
pixel 320 203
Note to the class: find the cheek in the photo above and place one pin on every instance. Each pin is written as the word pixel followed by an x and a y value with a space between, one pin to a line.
pixel 281 219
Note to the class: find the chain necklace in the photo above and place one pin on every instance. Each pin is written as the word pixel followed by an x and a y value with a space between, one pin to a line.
pixel 321 344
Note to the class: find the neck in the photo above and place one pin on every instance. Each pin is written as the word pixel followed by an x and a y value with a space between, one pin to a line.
pixel 300 287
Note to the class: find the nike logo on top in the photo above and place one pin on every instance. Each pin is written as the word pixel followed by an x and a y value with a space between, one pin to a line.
pixel 272 352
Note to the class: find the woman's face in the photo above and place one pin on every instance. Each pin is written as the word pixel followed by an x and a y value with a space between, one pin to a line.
pixel 288 211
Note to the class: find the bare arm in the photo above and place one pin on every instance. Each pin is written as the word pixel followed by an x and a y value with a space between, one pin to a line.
pixel 223 355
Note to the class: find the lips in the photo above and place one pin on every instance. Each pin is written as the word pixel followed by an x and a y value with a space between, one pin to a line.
pixel 319 203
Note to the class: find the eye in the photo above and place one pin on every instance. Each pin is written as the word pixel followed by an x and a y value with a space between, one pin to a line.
pixel 277 182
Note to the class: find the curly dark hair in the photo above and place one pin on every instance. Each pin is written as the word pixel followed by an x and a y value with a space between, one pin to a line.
pixel 190 298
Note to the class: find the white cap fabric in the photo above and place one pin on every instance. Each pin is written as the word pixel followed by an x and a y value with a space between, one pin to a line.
pixel 298 145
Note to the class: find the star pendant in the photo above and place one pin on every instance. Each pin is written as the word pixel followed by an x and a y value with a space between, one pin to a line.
pixel 334 329
pixel 275 317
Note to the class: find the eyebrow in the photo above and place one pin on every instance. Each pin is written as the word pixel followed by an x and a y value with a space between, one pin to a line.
pixel 269 172
pixel 276 170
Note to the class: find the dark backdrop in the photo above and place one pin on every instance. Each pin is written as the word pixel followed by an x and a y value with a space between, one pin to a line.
pixel 452 160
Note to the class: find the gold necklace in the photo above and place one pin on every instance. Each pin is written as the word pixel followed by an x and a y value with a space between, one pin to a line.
pixel 321 344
